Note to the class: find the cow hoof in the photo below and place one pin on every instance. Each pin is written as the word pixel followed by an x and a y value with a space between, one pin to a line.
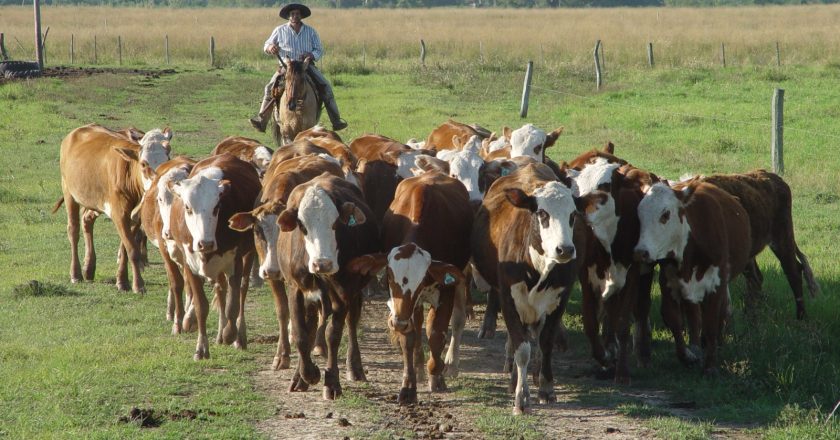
pixel 356 376
pixel 332 392
pixel 311 374
pixel 240 345
pixel 229 334
pixel 141 289
pixel 437 384
pixel 298 384
pixel 319 351
pixel 508 366
pixel 547 397
pixel 281 363
pixel 605 373
pixel 176 328
pixel 201 354
pixel 169 316
pixel 408 396
pixel 76 280
pixel 518 411
pixel 486 333
pixel 123 287
pixel 188 325
pixel 450 371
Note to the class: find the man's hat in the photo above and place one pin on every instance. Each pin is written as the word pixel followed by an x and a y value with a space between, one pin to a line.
pixel 287 9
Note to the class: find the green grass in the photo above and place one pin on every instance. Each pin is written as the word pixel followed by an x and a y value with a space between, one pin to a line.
pixel 77 358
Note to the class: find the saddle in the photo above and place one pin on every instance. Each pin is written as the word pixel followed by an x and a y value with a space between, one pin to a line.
pixel 277 89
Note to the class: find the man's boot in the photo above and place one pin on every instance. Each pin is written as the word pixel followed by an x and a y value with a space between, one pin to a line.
pixel 335 117
pixel 261 119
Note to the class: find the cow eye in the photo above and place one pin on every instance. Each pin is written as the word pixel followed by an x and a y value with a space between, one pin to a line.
pixel 665 217
pixel 543 216
pixel 189 210
pixel 572 219
pixel 537 149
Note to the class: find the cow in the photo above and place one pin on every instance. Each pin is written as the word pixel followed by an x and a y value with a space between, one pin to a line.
pixel 216 189
pixel 318 131
pixel 323 227
pixel 522 244
pixel 103 171
pixel 247 149
pixel 342 152
pixel 531 141
pixel 155 212
pixel 373 147
pixel 767 200
pixel 443 137
pixel 262 219
pixel 426 234
pixel 701 234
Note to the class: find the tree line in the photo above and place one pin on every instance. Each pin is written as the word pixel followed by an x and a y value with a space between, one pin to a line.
pixel 419 3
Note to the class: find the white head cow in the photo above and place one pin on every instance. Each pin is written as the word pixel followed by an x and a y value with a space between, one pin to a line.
pixel 464 165
pixel 316 215
pixel 262 157
pixel 664 226
pixel 201 195
pixel 165 197
pixel 593 185
pixel 531 141
pixel 553 208
pixel 263 220
pixel 154 150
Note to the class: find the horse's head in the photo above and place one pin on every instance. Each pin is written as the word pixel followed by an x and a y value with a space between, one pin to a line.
pixel 295 83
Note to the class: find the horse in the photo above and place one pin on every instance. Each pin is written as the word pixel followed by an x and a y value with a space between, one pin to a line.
pixel 297 108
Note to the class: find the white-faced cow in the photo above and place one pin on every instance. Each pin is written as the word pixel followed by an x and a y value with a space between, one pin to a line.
pixel 277 185
pixel 522 244
pixel 216 189
pixel 703 236
pixel 531 141
pixel 247 149
pixel 103 171
pixel 323 227
pixel 426 234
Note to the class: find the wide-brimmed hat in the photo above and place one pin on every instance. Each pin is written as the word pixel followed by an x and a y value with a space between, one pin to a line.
pixel 287 9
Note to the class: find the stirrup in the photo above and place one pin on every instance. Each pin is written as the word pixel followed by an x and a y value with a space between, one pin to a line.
pixel 341 124
pixel 258 123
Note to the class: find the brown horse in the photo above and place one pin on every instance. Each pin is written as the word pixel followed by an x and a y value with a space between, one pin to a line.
pixel 298 108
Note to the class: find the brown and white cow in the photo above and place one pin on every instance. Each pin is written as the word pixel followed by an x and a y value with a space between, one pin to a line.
pixel 216 189
pixel 702 235
pixel 522 244
pixel 443 137
pixel 426 234
pixel 767 200
pixel 247 149
pixel 277 185
pixel 155 217
pixel 374 147
pixel 323 227
pixel 531 141
pixel 318 131
pixel 103 171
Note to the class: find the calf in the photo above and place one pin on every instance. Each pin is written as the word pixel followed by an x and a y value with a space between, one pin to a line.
pixel 216 189
pixel 451 135
pixel 277 186
pixel 323 227
pixel 103 171
pixel 703 235
pixel 426 233
pixel 522 244
pixel 247 149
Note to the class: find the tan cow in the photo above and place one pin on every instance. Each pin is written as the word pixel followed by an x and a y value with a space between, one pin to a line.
pixel 247 149
pixel 103 171
pixel 441 138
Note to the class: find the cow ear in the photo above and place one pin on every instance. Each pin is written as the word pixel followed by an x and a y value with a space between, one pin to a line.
pixel 135 134
pixel 391 157
pixel 445 274
pixel 166 146
pixel 552 137
pixel 609 147
pixel 580 203
pixel 287 220
pixel 168 133
pixel 241 221
pixel 507 132
pixel 351 215
pixel 147 171
pixel 456 141
pixel 429 163
pixel 518 198
pixel 369 264
pixel 127 154
pixel 687 193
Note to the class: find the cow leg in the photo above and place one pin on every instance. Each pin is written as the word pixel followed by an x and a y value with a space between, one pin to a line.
pixel 175 300
pixel 408 392
pixel 437 324
pixel 189 322
pixel 335 328
pixel 488 325
pixel 89 266
pixel 132 250
pixel 546 340
pixel 521 351
pixel 220 288
pixel 459 319
pixel 642 337
pixel 620 308
pixel 590 302
pixel 355 371
pixel 307 370
pixel 672 317
pixel 236 332
pixel 199 299
pixel 419 356
pixel 694 320
pixel 786 253
pixel 712 316
pixel 72 209
pixel 320 345
pixel 282 358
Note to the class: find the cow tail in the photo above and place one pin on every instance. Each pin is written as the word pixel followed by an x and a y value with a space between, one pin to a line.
pixel 57 205
pixel 813 285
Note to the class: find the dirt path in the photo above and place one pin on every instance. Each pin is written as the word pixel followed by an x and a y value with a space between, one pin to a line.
pixel 370 409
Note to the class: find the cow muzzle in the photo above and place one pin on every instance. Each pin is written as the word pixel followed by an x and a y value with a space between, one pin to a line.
pixel 269 274
pixel 642 256
pixel 565 253
pixel 206 246
pixel 399 325
pixel 322 266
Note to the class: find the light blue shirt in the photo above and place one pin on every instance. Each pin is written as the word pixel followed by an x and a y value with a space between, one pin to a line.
pixel 293 45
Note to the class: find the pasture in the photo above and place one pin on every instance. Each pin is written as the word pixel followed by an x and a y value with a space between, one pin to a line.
pixel 76 358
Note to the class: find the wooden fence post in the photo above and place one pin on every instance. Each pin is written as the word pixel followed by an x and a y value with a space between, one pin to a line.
pixel 364 54
pixel 94 50
pixel 723 54
pixel 166 47
pixel 778 56
pixel 650 54
pixel 72 48
pixel 526 90
pixel 212 52
pixel 119 48
pixel 422 52
pixel 598 81
pixel 3 54
pixel 39 47
pixel 603 59
pixel 777 143
pixel 480 52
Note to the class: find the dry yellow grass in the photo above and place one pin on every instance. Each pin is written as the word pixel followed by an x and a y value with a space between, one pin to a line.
pixel 681 36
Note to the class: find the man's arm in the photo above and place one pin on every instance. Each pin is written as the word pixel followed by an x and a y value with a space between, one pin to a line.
pixel 272 45
pixel 317 49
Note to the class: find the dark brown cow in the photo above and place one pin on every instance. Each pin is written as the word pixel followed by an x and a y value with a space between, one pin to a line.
pixel 323 227
pixel 247 149
pixel 155 217
pixel 216 189
pixel 442 137
pixel 522 245
pixel 767 200
pixel 103 171
pixel 426 233
pixel 702 235
pixel 277 186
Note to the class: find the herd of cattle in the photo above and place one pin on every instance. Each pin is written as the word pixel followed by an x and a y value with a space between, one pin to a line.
pixel 465 207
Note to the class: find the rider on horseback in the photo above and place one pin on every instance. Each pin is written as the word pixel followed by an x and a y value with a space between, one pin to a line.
pixel 296 41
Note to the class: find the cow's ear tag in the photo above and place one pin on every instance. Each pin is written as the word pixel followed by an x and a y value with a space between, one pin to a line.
pixel 352 221
pixel 448 279
pixel 505 171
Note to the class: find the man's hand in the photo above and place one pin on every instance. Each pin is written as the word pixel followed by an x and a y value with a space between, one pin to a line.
pixel 273 49
pixel 307 57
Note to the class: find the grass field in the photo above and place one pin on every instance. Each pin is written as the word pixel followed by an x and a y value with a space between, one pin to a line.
pixel 74 359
